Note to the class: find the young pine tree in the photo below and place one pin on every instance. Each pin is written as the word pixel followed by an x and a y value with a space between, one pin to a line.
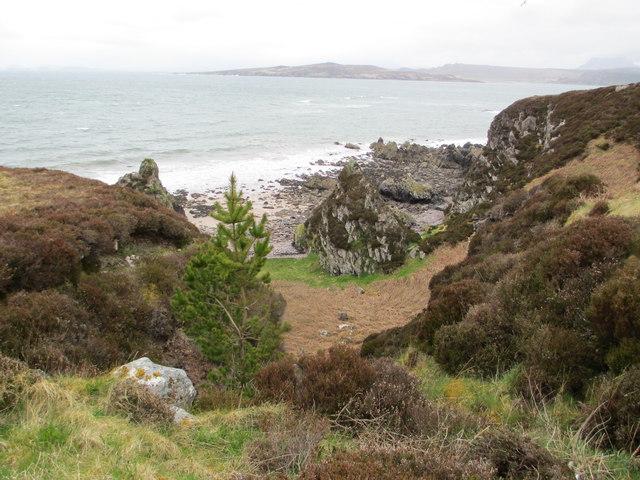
pixel 226 304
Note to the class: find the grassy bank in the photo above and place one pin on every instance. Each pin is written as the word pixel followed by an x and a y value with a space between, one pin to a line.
pixel 307 270
pixel 65 427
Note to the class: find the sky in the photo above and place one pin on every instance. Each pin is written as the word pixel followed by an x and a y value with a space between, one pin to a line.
pixel 199 35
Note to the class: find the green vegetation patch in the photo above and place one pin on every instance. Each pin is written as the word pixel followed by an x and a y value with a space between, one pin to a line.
pixel 307 270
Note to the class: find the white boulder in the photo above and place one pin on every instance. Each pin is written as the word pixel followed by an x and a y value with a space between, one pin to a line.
pixel 171 384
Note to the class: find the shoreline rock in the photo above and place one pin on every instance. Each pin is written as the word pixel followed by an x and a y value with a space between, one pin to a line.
pixel 147 181
pixel 288 202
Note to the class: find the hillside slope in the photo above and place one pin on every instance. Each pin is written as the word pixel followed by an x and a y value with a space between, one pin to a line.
pixel 87 270
pixel 550 280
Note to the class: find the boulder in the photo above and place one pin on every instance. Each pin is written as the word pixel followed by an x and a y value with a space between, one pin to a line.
pixel 171 384
pixel 147 181
pixel 406 190
pixel 320 182
pixel 353 231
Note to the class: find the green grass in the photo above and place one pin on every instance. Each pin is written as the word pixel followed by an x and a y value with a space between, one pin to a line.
pixel 554 424
pixel 307 270
pixel 60 431
pixel 625 206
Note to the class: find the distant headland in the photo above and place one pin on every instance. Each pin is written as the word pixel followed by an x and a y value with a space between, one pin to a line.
pixel 456 72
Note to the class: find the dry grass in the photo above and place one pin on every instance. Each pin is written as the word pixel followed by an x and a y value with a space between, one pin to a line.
pixel 617 167
pixel 23 189
pixel 384 304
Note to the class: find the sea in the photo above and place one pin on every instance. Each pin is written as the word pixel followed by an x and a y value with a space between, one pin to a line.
pixel 201 128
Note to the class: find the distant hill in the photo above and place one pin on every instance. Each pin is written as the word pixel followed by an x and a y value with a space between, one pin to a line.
pixel 490 73
pixel 607 63
pixel 335 70
pixel 456 72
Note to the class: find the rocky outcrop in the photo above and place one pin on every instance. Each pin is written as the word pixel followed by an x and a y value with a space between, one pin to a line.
pixel 170 384
pixel 353 231
pixel 147 181
pixel 415 173
pixel 445 156
pixel 538 134
pixel 406 190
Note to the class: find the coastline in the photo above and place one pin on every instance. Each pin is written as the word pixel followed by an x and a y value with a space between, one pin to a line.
pixel 289 201
pixel 285 202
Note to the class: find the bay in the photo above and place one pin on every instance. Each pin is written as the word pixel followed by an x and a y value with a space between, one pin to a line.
pixel 200 128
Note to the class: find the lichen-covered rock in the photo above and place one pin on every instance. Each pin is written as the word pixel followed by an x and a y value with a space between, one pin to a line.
pixel 171 384
pixel 147 181
pixel 406 190
pixel 353 231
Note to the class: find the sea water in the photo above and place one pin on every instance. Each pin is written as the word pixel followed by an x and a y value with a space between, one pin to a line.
pixel 200 128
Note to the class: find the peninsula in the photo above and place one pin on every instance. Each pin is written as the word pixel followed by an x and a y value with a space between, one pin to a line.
pixel 456 72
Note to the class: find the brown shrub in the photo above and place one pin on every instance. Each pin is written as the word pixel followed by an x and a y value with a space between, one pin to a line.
pixel 66 223
pixel 325 382
pixel 330 379
pixel 551 202
pixel 393 400
pixel 613 415
pixel 557 359
pixel 554 280
pixel 400 462
pixel 449 305
pixel 214 397
pixel 35 261
pixel 45 329
pixel 394 406
pixel 515 457
pixel 587 243
pixel 164 272
pixel 104 321
pixel 277 381
pixel 601 207
pixel 288 444
pixel 15 377
pixel 484 344
pixel 614 311
pixel 116 302
pixel 138 404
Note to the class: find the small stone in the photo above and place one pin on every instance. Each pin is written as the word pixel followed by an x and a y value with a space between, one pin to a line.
pixel 324 333
pixel 342 326
pixel 181 416
pixel 343 316
pixel 131 260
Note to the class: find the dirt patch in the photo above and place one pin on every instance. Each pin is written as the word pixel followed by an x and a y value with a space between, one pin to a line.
pixel 321 317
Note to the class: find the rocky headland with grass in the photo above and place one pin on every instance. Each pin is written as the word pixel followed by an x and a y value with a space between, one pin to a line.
pixel 497 338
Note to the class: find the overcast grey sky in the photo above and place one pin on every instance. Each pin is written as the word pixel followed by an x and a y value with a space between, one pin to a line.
pixel 189 35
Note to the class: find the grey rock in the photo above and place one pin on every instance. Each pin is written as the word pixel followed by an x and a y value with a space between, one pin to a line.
pixel 353 230
pixel 181 416
pixel 171 384
pixel 406 189
pixel 147 181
